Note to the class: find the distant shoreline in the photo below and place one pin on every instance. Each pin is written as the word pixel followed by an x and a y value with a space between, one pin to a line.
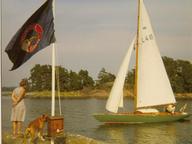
pixel 95 93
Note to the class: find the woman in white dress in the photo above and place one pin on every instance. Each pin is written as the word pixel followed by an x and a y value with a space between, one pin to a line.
pixel 18 107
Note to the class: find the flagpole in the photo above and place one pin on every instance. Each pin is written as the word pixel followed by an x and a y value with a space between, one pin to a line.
pixel 53 81
pixel 53 71
pixel 53 75
pixel 1 60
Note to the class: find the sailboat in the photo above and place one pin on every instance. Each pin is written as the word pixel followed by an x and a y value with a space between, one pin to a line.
pixel 152 86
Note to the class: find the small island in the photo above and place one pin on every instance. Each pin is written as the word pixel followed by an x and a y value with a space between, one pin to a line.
pixel 70 84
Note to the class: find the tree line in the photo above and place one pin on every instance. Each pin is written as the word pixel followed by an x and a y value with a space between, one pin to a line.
pixel 179 73
pixel 66 80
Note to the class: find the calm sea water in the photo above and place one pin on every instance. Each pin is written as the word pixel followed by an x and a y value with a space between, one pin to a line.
pixel 78 119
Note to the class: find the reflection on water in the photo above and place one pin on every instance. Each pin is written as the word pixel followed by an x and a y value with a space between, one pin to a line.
pixel 115 133
pixel 78 119
pixel 140 134
pixel 151 134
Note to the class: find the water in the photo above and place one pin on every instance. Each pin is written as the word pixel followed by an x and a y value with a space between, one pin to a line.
pixel 78 119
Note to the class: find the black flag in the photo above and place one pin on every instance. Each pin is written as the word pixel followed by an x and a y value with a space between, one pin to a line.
pixel 35 34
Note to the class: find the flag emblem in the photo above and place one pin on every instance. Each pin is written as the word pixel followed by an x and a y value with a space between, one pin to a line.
pixel 31 37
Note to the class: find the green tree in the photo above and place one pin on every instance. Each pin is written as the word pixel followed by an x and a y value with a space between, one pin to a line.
pixel 105 77
pixel 86 80
pixel 46 77
pixel 75 81
pixel 184 72
pixel 171 66
pixel 62 79
pixel 179 73
pixel 40 78
pixel 130 79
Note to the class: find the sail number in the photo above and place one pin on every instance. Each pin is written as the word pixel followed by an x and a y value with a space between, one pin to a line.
pixel 147 35
pixel 147 38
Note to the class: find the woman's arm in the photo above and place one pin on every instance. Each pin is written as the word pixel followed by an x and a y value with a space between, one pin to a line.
pixel 14 98
pixel 21 95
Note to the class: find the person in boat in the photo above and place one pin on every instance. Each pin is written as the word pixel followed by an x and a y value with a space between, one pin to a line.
pixel 18 108
pixel 170 109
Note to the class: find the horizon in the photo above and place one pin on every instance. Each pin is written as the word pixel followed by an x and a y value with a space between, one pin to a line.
pixel 97 73
pixel 95 34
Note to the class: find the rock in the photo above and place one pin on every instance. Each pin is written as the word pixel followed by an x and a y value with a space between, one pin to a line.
pixel 78 139
pixel 66 138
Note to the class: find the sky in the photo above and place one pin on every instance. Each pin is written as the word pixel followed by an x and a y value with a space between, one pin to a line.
pixel 92 34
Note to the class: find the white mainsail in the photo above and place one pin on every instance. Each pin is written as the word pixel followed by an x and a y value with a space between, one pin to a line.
pixel 115 99
pixel 153 84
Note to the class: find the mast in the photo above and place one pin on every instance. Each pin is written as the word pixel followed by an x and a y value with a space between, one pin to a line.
pixel 136 49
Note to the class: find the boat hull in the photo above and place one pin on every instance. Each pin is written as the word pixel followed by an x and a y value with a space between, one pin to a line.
pixel 139 117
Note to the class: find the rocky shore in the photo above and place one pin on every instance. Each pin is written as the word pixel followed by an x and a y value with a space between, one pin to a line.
pixel 66 138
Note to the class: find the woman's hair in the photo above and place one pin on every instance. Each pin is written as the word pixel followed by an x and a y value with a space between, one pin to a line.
pixel 23 82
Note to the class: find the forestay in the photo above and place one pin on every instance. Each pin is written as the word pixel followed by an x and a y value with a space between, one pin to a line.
pixel 153 84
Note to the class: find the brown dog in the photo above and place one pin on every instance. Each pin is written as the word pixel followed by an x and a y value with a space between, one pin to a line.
pixel 34 128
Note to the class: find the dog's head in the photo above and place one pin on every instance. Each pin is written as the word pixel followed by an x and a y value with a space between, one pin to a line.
pixel 44 118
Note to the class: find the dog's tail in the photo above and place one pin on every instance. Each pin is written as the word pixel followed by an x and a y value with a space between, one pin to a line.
pixel 27 132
